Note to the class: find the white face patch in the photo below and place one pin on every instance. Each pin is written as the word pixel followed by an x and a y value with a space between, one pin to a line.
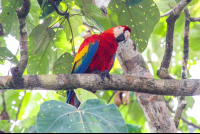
pixel 127 34
pixel 118 30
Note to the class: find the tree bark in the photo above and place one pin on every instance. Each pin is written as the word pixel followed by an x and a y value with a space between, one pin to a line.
pixel 154 106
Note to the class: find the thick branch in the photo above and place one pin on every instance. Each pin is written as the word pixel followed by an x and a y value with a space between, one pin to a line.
pixel 174 15
pixel 154 107
pixel 93 82
pixel 17 71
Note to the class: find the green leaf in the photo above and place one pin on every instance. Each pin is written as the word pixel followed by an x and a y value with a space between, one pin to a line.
pixel 9 21
pixel 194 38
pixel 92 116
pixel 84 95
pixel 32 129
pixel 5 125
pixel 141 18
pixel 190 101
pixel 86 6
pixel 133 2
pixel 6 54
pixel 2 42
pixel 98 17
pixel 42 36
pixel 74 22
pixel 27 122
pixel 29 107
pixel 63 64
pixel 47 7
pixel 133 128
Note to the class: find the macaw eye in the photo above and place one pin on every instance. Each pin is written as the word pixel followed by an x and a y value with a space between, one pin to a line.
pixel 118 27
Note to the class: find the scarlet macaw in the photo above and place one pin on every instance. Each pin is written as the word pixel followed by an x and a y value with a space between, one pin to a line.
pixel 97 54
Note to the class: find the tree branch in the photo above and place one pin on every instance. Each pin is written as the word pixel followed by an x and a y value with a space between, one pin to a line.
pixel 194 19
pixel 1 131
pixel 174 15
pixel 154 107
pixel 18 70
pixel 93 82
pixel 183 119
pixel 66 14
pixel 182 102
pixel 111 97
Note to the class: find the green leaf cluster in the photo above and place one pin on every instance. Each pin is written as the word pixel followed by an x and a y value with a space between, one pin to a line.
pixel 53 41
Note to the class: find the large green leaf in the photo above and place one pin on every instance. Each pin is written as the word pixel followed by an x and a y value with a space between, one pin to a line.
pixel 6 54
pixel 45 52
pixel 74 21
pixel 86 6
pixel 40 63
pixel 133 128
pixel 101 20
pixel 141 18
pixel 84 95
pixel 42 36
pixel 9 18
pixel 32 129
pixel 63 64
pixel 92 116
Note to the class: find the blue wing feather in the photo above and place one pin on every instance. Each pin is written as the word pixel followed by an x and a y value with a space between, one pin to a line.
pixel 86 60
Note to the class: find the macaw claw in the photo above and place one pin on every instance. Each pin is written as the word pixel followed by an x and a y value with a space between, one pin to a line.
pixel 103 74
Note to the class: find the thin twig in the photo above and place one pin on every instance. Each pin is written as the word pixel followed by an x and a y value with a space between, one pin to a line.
pixel 66 14
pixel 182 102
pixel 183 119
pixel 194 19
pixel 189 123
pixel 174 15
pixel 111 96
pixel 166 14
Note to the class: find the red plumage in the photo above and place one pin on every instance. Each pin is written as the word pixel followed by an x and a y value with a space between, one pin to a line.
pixel 103 58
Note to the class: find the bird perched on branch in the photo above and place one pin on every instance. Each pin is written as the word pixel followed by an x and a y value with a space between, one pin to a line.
pixel 97 55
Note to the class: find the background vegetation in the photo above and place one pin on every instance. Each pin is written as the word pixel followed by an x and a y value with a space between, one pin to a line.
pixel 53 40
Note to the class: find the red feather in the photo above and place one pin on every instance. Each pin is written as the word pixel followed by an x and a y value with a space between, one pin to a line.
pixel 104 57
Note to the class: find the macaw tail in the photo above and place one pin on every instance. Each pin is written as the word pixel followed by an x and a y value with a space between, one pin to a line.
pixel 72 99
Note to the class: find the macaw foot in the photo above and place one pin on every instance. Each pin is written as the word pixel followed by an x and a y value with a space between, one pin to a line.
pixel 103 74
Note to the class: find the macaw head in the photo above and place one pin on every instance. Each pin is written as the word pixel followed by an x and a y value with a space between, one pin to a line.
pixel 121 33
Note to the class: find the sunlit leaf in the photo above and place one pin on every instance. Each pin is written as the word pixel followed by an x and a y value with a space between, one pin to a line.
pixel 6 54
pixel 63 64
pixel 84 95
pixel 92 116
pixel 42 36
pixel 74 21
pixel 141 18
pixel 133 128
pixel 32 129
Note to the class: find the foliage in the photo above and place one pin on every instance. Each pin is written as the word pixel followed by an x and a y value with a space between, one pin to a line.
pixel 53 41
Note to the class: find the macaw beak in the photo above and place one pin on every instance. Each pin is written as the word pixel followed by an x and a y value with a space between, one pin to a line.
pixel 123 37
pixel 120 38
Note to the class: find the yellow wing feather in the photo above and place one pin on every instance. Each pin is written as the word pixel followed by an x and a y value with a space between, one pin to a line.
pixel 79 57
